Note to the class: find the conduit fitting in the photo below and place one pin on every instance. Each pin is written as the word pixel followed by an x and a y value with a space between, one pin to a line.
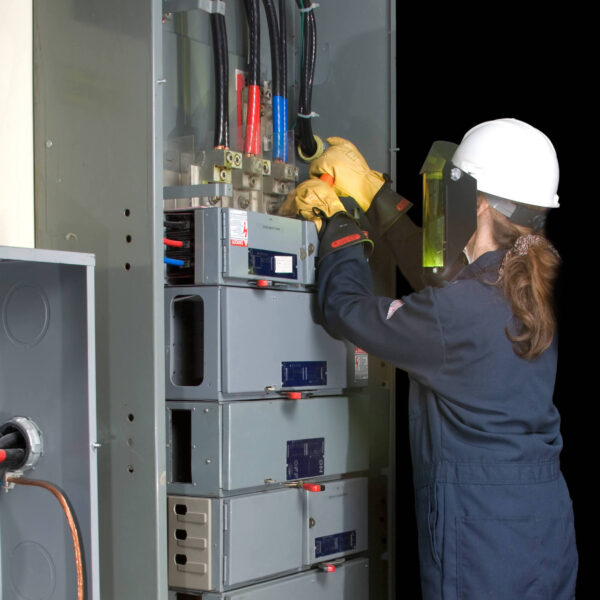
pixel 21 433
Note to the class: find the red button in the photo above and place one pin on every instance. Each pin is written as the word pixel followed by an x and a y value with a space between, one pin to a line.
pixel 2 455
pixel 262 283
pixel 294 395
pixel 328 568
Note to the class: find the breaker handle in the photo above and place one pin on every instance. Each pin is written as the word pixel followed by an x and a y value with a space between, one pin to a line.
pixel 327 567
pixel 313 487
pixel 308 487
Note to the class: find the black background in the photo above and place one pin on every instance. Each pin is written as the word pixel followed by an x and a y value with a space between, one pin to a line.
pixel 455 70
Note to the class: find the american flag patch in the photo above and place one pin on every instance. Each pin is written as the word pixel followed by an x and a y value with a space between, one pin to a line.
pixel 394 306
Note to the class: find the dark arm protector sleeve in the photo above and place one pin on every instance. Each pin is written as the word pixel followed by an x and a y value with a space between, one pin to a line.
pixel 404 238
pixel 406 332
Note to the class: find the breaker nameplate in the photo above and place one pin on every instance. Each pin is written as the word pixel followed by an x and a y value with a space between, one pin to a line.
pixel 305 458
pixel 267 263
pixel 332 544
pixel 298 374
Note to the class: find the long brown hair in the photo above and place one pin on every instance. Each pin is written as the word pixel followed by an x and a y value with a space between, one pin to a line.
pixel 528 282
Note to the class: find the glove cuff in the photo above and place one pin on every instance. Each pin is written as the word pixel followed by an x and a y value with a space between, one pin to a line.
pixel 340 231
pixel 372 184
pixel 387 207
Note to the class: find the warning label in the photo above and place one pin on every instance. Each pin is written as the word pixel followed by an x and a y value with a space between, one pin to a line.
pixel 361 365
pixel 238 228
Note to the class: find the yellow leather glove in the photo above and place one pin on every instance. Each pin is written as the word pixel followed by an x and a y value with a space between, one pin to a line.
pixel 351 173
pixel 312 193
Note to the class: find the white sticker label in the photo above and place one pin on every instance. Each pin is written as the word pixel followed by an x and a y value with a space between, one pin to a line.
pixel 238 227
pixel 284 264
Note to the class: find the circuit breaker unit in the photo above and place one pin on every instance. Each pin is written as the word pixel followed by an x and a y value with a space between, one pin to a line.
pixel 228 342
pixel 239 247
pixel 215 544
pixel 347 579
pixel 218 449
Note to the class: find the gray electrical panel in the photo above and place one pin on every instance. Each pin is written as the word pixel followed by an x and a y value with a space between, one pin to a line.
pixel 215 544
pixel 47 389
pixel 123 140
pixel 228 342
pixel 219 449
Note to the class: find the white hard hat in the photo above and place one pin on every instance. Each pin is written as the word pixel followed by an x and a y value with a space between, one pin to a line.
pixel 512 160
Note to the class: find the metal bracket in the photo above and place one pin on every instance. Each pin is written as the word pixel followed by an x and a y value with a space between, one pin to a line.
pixel 209 6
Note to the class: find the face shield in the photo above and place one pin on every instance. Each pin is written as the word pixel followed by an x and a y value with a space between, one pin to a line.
pixel 449 212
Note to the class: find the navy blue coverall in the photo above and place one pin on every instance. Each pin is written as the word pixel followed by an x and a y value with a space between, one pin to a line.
pixel 494 515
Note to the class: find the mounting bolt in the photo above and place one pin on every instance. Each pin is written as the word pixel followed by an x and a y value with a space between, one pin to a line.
pixel 455 174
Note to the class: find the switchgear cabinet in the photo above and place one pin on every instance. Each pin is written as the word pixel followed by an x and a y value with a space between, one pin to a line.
pixel 206 333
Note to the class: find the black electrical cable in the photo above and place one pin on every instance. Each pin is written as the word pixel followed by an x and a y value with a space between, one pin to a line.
pixel 11 440
pixel 252 136
pixel 283 125
pixel 306 139
pixel 177 225
pixel 253 41
pixel 220 54
pixel 273 25
pixel 283 46
pixel 12 458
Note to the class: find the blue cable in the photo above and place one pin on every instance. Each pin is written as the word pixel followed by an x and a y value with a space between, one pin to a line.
pixel 284 121
pixel 278 136
pixel 174 261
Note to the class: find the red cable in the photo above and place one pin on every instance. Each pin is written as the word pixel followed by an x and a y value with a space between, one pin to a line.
pixel 175 243
pixel 252 141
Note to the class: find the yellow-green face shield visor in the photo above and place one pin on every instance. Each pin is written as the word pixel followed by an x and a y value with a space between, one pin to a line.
pixel 449 209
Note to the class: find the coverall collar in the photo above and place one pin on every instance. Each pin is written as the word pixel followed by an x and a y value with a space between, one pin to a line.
pixel 487 264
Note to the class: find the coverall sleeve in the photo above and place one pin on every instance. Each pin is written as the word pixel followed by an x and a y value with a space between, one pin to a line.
pixel 406 332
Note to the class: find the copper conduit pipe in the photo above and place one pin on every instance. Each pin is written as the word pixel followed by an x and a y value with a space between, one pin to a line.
pixel 70 520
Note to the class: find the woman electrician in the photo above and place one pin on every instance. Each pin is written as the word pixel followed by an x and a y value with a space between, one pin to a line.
pixel 494 515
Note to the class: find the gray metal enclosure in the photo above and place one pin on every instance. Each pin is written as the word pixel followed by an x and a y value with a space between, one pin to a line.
pixel 107 109
pixel 47 377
